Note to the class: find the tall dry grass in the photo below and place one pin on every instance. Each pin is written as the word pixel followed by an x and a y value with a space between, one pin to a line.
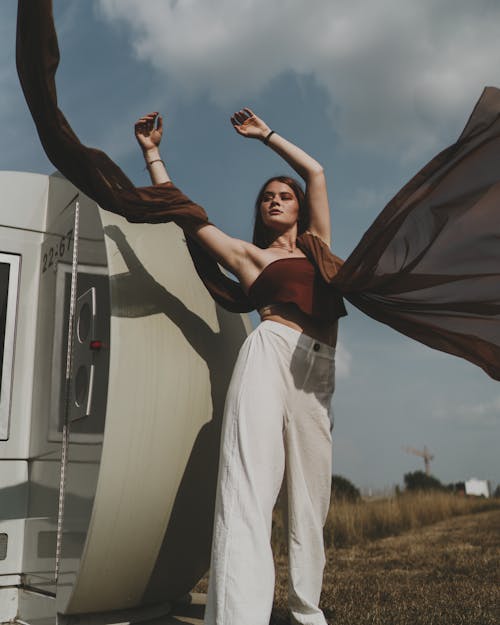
pixel 355 523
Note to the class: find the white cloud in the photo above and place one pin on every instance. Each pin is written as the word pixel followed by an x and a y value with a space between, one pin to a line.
pixel 343 359
pixel 393 69
pixel 480 414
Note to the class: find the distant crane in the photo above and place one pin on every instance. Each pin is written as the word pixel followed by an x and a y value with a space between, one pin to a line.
pixel 425 454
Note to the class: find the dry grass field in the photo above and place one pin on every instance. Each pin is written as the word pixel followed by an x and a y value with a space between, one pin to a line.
pixel 447 573
pixel 414 560
pixel 354 523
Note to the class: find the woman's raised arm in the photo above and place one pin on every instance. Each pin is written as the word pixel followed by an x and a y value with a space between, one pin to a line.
pixel 249 125
pixel 228 251
pixel 149 132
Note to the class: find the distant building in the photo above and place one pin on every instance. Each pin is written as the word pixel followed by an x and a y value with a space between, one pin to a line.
pixel 479 488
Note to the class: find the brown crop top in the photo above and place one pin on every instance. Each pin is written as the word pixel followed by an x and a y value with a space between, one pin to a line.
pixel 297 281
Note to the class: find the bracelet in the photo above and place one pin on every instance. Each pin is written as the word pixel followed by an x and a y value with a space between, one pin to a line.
pixel 156 160
pixel 265 140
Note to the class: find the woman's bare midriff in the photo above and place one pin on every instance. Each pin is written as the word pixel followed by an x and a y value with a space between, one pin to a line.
pixel 291 316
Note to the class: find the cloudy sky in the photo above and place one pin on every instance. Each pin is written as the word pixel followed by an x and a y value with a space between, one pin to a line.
pixel 371 88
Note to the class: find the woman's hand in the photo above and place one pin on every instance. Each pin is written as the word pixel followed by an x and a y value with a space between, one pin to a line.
pixel 247 124
pixel 148 131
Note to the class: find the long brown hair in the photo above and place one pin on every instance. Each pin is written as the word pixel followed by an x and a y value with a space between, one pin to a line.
pixel 262 235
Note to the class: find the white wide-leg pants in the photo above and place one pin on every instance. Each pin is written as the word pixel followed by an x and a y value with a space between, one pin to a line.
pixel 276 425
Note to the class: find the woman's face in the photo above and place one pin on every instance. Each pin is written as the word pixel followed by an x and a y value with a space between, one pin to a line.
pixel 279 206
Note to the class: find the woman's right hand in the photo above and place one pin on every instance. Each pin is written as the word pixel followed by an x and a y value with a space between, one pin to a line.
pixel 247 124
pixel 148 131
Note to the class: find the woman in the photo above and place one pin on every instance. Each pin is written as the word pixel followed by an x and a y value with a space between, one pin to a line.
pixel 276 420
pixel 428 267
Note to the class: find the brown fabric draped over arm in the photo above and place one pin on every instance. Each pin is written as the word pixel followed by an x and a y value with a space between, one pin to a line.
pixel 91 170
pixel 429 266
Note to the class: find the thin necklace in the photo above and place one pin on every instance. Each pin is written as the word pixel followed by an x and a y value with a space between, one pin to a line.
pixel 283 247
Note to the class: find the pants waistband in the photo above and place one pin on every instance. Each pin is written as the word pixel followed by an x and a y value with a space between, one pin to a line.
pixel 298 339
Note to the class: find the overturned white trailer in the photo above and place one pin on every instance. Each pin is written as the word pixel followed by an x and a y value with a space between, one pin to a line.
pixel 152 358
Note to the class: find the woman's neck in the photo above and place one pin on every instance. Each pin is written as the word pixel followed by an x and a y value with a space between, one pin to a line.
pixel 286 242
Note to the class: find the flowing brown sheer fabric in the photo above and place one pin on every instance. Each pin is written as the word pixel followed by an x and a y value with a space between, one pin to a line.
pixel 91 170
pixel 429 266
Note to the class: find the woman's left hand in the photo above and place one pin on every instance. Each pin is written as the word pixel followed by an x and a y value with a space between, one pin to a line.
pixel 149 131
pixel 247 124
